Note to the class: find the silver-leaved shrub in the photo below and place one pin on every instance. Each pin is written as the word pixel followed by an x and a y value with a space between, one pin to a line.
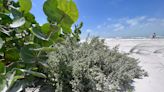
pixel 91 67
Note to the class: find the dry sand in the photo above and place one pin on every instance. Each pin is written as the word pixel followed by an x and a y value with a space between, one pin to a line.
pixel 150 53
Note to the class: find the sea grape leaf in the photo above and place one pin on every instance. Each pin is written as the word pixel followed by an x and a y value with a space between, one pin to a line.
pixel 5 19
pixel 46 49
pixel 2 68
pixel 28 55
pixel 16 13
pixel 37 74
pixel 25 5
pixel 52 33
pixel 69 7
pixel 51 10
pixel 4 31
pixel 18 22
pixel 29 17
pixel 63 12
pixel 46 28
pixel 52 39
pixel 38 33
pixel 12 54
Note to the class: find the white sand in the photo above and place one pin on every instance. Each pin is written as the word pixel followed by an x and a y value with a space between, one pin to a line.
pixel 150 53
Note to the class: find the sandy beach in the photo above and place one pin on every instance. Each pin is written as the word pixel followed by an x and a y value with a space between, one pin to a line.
pixel 150 53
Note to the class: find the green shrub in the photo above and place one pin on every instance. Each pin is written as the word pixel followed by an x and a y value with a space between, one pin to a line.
pixel 91 67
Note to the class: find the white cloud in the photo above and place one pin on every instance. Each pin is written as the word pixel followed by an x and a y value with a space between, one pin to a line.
pixel 152 19
pixel 89 30
pixel 132 22
pixel 135 21
pixel 136 25
pixel 118 27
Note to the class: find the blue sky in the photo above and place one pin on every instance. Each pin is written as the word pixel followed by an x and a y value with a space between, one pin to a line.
pixel 113 18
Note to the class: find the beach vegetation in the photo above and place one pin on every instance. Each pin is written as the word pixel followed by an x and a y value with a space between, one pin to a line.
pixel 33 55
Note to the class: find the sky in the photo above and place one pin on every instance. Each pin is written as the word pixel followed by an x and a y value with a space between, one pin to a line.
pixel 115 18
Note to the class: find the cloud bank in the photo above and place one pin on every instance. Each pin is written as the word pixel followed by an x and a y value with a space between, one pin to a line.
pixel 136 26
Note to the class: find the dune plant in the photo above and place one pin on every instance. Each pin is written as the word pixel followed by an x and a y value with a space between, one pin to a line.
pixel 24 43
pixel 91 67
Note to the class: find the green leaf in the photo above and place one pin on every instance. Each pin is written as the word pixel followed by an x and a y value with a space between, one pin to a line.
pixel 38 33
pixel 2 83
pixel 18 22
pixel 5 19
pixel 1 43
pixel 46 28
pixel 8 82
pixel 2 69
pixel 25 5
pixel 46 49
pixel 51 10
pixel 52 39
pixel 44 64
pixel 61 10
pixel 16 13
pixel 4 31
pixel 49 29
pixel 37 74
pixel 69 7
pixel 12 54
pixel 10 77
pixel 27 55
pixel 51 33
pixel 29 17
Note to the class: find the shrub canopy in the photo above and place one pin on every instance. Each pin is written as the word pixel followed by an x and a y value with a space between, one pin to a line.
pixel 91 67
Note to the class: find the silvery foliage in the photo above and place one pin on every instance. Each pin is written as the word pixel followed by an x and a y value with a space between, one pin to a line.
pixel 91 67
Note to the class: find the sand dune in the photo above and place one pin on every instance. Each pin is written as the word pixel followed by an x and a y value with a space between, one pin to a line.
pixel 150 53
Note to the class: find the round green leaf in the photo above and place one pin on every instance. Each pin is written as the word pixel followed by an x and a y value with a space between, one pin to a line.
pixel 2 68
pixel 27 55
pixel 58 10
pixel 12 54
pixel 5 19
pixel 51 10
pixel 52 38
pixel 25 5
pixel 18 22
pixel 69 7
pixel 16 13
pixel 46 28
pixel 62 12
pixel 38 33
pixel 29 17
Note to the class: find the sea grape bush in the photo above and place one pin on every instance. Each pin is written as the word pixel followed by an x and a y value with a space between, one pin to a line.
pixel 24 43
pixel 91 67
